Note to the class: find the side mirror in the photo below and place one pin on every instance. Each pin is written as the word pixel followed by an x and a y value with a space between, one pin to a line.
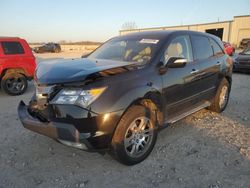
pixel 176 62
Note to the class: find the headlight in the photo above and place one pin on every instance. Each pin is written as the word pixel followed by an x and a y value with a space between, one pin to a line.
pixel 78 97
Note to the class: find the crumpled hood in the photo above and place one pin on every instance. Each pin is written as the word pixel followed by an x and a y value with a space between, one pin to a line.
pixel 72 70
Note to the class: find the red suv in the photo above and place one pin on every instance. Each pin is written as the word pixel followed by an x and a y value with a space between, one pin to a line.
pixel 229 48
pixel 17 65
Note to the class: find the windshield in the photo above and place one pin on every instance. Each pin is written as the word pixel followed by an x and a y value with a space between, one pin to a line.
pixel 130 50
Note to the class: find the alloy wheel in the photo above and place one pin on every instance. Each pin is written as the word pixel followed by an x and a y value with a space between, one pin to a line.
pixel 138 137
pixel 223 96
pixel 15 85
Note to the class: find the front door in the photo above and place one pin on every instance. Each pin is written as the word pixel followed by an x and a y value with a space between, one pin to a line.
pixel 179 84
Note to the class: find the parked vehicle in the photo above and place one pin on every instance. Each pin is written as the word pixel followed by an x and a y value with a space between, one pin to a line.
pixel 245 43
pixel 17 65
pixel 242 61
pixel 229 48
pixel 118 97
pixel 49 47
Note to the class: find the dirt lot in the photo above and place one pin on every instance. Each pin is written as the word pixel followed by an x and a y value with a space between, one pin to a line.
pixel 203 150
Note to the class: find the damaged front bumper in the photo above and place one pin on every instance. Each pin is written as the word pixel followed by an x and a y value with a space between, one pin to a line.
pixel 66 133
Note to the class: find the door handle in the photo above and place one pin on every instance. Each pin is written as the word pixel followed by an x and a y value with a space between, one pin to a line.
pixel 218 63
pixel 194 71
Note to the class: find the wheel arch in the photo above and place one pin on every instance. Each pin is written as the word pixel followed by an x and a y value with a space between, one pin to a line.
pixel 153 100
pixel 229 79
pixel 13 70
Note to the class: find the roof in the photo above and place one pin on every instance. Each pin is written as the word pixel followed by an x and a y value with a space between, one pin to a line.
pixel 162 33
pixel 6 37
pixel 9 39
pixel 147 33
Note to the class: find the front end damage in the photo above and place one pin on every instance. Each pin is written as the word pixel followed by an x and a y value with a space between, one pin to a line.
pixel 69 124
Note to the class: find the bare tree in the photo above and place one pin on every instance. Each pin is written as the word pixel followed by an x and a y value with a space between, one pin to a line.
pixel 129 26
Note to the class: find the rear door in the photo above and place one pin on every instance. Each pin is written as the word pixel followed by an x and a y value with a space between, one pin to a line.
pixel 208 66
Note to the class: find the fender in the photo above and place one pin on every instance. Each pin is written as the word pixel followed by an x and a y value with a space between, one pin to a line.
pixel 14 70
pixel 129 98
pixel 139 96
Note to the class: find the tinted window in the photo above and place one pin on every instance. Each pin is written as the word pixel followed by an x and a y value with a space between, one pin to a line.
pixel 202 47
pixel 12 48
pixel 179 47
pixel 216 48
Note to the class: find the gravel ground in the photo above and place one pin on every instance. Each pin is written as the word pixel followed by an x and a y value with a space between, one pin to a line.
pixel 204 150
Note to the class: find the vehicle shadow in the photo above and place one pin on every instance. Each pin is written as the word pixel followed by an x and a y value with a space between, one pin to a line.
pixel 199 151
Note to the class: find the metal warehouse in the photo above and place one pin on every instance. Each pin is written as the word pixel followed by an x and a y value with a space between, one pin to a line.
pixel 232 31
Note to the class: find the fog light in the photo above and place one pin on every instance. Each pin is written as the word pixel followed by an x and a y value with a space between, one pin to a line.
pixel 74 144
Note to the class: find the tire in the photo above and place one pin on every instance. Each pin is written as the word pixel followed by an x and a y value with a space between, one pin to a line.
pixel 138 144
pixel 14 83
pixel 57 50
pixel 220 101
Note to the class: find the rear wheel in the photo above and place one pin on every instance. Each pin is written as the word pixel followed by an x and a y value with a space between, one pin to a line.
pixel 135 135
pixel 221 98
pixel 14 83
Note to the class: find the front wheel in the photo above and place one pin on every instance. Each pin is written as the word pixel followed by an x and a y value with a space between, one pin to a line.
pixel 135 135
pixel 221 98
pixel 14 83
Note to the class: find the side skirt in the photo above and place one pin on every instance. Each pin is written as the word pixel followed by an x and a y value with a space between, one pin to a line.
pixel 186 113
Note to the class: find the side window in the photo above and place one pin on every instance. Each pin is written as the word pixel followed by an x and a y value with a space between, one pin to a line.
pixel 11 48
pixel 216 48
pixel 179 47
pixel 202 47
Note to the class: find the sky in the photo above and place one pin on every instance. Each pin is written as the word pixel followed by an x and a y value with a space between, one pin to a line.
pixel 93 20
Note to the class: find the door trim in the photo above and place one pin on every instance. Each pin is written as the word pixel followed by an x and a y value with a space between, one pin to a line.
pixel 190 98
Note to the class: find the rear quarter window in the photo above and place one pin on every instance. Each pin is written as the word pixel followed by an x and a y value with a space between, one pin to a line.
pixel 12 48
pixel 202 47
pixel 216 48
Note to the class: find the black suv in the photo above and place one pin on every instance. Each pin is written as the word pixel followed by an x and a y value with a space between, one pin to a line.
pixel 118 97
pixel 49 47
